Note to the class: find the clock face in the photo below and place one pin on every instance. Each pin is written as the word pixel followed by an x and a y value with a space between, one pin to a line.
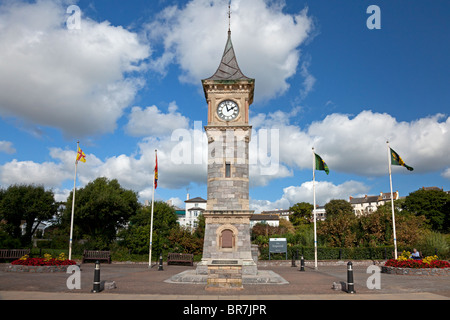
pixel 228 110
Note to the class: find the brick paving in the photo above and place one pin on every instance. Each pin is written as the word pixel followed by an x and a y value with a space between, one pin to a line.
pixel 137 281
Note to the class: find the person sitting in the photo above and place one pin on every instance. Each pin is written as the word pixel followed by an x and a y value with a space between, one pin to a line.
pixel 415 255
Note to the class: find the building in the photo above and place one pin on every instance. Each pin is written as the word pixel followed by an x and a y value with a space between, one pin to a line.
pixel 282 213
pixel 193 209
pixel 285 213
pixel 272 220
pixel 369 204
pixel 321 214
pixel 188 217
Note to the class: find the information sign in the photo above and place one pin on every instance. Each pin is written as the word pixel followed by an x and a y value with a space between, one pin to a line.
pixel 277 245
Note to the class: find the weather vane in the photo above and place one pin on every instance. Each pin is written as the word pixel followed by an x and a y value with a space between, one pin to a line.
pixel 229 16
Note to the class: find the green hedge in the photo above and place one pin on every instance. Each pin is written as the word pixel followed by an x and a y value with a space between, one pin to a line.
pixel 326 253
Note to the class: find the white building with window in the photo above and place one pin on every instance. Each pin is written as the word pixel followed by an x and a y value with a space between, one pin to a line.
pixel 193 209
pixel 369 204
pixel 272 220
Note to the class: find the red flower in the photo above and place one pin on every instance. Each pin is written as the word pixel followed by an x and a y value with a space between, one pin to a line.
pixel 43 262
pixel 417 264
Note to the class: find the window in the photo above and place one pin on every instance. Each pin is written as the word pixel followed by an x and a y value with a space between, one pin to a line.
pixel 227 170
pixel 227 239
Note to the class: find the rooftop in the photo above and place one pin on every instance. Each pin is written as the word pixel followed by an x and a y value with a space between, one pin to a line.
pixel 196 200
pixel 228 68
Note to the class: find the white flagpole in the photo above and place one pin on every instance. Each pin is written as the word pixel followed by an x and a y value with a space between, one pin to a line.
pixel 392 200
pixel 151 219
pixel 73 203
pixel 314 209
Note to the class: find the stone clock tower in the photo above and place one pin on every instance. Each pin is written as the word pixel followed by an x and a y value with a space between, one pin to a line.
pixel 229 93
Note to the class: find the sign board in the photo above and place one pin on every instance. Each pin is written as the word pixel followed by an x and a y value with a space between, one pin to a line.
pixel 277 245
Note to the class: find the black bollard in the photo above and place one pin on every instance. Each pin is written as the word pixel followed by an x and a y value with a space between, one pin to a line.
pixel 293 260
pixel 350 284
pixel 302 264
pixel 160 267
pixel 96 287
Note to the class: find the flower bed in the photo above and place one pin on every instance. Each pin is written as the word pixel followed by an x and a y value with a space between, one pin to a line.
pixel 427 266
pixel 416 264
pixel 48 260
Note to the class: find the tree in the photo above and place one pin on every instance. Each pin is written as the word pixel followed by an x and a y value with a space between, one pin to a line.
pixel 434 205
pixel 337 207
pixel 408 226
pixel 301 213
pixel 101 208
pixel 137 236
pixel 29 203
pixel 339 230
pixel 341 226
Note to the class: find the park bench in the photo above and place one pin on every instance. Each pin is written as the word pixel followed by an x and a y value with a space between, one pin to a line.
pixel 180 258
pixel 95 255
pixel 13 254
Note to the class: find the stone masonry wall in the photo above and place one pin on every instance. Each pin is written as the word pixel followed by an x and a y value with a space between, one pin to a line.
pixel 228 146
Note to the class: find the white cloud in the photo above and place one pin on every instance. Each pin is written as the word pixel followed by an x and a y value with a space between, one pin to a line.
pixel 309 79
pixel 7 147
pixel 358 144
pixel 266 40
pixel 75 80
pixel 325 191
pixel 151 121
pixel 446 173
pixel 48 174
pixel 348 144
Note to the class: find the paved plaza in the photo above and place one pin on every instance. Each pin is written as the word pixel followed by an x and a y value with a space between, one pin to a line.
pixel 138 282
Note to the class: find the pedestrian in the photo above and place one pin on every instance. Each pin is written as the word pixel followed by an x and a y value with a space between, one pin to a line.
pixel 415 255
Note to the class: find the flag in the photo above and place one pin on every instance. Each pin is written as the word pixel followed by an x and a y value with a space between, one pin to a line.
pixel 397 161
pixel 80 156
pixel 156 171
pixel 321 165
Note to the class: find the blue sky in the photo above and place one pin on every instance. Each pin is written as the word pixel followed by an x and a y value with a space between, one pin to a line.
pixel 128 81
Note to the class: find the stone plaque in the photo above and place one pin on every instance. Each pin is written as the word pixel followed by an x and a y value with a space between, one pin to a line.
pixel 224 262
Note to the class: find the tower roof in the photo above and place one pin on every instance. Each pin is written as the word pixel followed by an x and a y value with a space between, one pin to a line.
pixel 228 68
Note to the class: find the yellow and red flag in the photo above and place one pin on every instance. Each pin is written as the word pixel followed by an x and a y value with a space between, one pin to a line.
pixel 80 156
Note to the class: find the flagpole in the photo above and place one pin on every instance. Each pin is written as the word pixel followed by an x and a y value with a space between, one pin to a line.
pixel 314 209
pixel 392 200
pixel 151 219
pixel 73 204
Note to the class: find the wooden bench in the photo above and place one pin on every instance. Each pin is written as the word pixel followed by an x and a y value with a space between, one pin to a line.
pixel 13 254
pixel 96 255
pixel 180 258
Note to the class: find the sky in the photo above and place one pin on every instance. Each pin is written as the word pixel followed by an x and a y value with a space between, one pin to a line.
pixel 124 79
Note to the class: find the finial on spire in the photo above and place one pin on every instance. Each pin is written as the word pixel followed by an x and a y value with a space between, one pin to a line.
pixel 229 16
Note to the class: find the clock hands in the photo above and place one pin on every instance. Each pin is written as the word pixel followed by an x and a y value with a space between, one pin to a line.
pixel 228 109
